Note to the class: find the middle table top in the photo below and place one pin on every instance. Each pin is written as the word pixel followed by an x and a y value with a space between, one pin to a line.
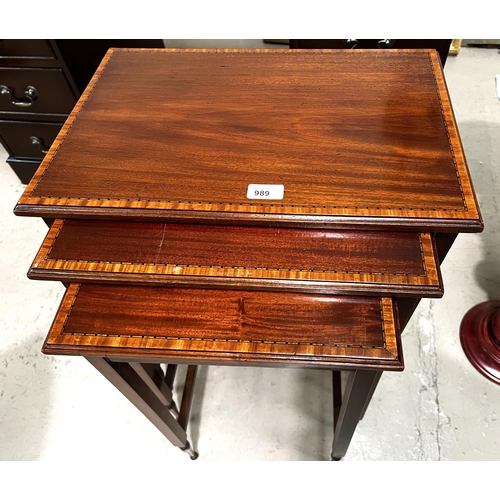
pixel 285 259
pixel 355 138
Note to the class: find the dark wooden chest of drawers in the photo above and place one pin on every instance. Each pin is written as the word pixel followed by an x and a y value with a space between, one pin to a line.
pixel 37 94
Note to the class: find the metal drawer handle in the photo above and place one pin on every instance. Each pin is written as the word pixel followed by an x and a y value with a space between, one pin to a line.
pixel 31 94
pixel 350 42
pixel 36 141
pixel 386 43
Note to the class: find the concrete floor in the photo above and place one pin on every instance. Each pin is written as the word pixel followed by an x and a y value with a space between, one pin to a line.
pixel 439 408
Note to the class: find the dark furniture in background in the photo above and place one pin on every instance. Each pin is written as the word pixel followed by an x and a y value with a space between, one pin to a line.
pixel 40 82
pixel 441 45
pixel 37 94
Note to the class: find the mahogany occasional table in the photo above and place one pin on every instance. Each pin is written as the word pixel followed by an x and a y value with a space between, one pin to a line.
pixel 250 207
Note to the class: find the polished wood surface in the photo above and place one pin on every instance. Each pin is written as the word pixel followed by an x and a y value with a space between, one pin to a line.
pixel 357 138
pixel 311 261
pixel 160 150
pixel 227 327
pixel 480 338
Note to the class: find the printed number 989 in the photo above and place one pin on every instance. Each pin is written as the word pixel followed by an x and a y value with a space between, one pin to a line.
pixel 261 193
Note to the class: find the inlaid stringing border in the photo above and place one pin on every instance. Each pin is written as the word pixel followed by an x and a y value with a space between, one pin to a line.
pixel 430 276
pixel 59 338
pixel 469 211
pixel 447 128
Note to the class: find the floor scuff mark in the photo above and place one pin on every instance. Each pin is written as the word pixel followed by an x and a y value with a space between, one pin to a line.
pixel 431 421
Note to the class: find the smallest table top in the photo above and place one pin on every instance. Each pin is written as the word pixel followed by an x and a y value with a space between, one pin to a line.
pixel 351 139
pixel 231 327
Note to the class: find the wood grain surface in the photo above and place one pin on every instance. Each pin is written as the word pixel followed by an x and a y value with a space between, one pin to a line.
pixel 312 261
pixel 357 138
pixel 226 327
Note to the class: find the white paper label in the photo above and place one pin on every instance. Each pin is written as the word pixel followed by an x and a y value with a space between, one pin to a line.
pixel 265 191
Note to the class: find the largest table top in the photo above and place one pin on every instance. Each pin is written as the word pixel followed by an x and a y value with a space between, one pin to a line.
pixel 357 139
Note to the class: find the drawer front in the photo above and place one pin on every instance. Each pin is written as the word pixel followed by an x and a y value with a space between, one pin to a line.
pixel 24 169
pixel 52 93
pixel 29 49
pixel 28 139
